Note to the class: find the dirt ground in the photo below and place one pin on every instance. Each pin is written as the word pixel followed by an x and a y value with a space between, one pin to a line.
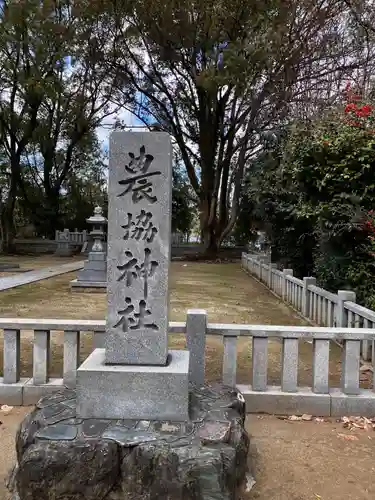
pixel 293 460
pixel 310 460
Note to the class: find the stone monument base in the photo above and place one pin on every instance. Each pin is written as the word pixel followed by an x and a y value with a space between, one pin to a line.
pixel 139 392
pixel 64 457
pixel 88 286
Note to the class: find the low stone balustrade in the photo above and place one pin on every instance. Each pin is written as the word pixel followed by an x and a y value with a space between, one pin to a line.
pixel 288 398
pixel 316 304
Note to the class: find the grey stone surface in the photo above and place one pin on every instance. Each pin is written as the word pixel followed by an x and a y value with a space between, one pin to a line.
pixel 350 367
pixel 71 357
pixel 64 248
pixel 95 268
pixel 362 404
pixel 130 391
pixel 289 365
pixel 12 394
pixel 38 275
pixel 286 272
pixel 306 295
pixel 230 361
pixel 98 257
pixel 12 353
pixel 8 266
pixel 99 340
pixel 76 285
pixel 32 393
pixel 321 366
pixel 270 275
pixel 62 457
pixel 196 325
pixel 275 401
pixel 95 265
pixel 341 314
pixel 88 275
pixel 52 324
pixel 41 356
pixel 259 363
pixel 139 234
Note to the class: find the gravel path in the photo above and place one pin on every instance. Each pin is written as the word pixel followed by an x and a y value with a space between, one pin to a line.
pixel 38 275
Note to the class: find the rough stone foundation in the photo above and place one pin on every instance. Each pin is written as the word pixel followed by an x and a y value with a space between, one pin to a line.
pixel 61 457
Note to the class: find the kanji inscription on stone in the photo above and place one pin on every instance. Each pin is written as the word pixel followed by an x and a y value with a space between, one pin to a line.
pixel 140 227
pixel 139 235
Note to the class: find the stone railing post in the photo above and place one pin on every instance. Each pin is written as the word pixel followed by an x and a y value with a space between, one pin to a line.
pixel 286 272
pixel 12 356
pixel 271 267
pixel 41 356
pixel 341 318
pixel 260 261
pixel 71 357
pixel 306 295
pixel 196 326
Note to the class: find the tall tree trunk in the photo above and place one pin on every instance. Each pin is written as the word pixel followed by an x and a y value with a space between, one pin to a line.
pixel 8 230
pixel 52 211
pixel 210 244
pixel 210 240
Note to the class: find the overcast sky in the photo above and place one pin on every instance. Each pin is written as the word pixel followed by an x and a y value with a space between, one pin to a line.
pixel 104 131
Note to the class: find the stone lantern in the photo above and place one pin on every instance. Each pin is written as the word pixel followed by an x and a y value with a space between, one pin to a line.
pixel 99 222
pixel 94 273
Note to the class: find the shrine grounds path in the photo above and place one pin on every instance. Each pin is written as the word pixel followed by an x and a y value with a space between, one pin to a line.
pixel 294 460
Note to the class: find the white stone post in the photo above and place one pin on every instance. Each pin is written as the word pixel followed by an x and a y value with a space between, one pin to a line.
pixel 341 319
pixel 196 326
pixel 270 280
pixel 307 281
pixel 286 272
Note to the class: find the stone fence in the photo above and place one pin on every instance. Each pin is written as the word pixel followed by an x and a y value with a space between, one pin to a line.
pixel 316 304
pixel 288 398
pixel 79 237
pixel 74 237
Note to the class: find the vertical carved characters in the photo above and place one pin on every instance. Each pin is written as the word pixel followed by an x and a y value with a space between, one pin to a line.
pixel 138 227
pixel 139 238
pixel 141 228
pixel 132 269
pixel 139 183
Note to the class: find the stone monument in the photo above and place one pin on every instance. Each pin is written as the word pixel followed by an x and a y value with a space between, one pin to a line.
pixel 133 428
pixel 94 273
pixel 135 375
pixel 64 248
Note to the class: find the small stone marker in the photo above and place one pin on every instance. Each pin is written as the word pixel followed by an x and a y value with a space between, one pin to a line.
pixel 139 238
pixel 135 377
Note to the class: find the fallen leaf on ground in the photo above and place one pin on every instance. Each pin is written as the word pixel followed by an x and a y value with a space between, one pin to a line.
pixel 352 423
pixel 294 418
pixel 307 418
pixel 348 437
pixel 6 409
pixel 250 483
pixel 366 368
